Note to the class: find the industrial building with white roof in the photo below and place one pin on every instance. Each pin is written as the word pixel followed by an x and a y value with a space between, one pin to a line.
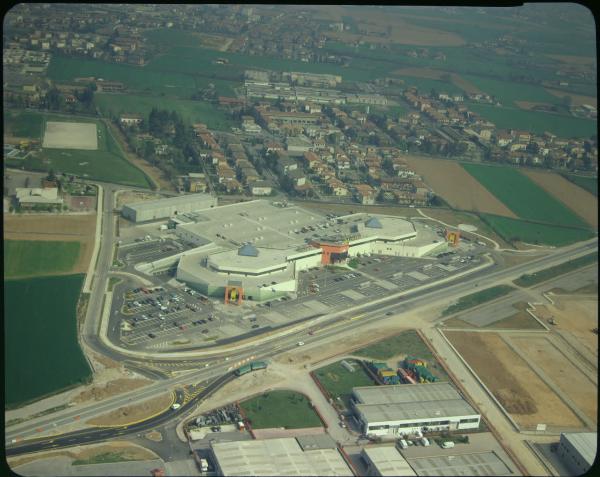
pixel 282 456
pixel 264 245
pixel 400 409
pixel 255 250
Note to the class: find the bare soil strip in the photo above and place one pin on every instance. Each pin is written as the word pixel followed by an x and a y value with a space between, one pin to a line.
pixel 129 414
pixel 576 99
pixel 438 75
pixel 461 190
pixel 131 451
pixel 66 228
pixel 577 199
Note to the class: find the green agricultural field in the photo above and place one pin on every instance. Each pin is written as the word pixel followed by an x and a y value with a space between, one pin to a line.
pixel 507 92
pixel 23 124
pixel 523 196
pixel 535 121
pixel 338 381
pixel 513 230
pixel 190 111
pixel 276 409
pixel 477 298
pixel 28 258
pixel 136 78
pixel 39 319
pixel 588 183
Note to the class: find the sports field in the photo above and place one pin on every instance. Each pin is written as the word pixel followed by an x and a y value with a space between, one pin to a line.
pixel 42 354
pixel 33 258
pixel 107 163
pixel 523 196
pixel 513 230
pixel 276 409
pixel 70 135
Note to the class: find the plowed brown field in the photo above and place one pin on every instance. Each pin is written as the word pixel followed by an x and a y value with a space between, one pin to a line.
pixel 459 188
pixel 522 393
pixel 577 199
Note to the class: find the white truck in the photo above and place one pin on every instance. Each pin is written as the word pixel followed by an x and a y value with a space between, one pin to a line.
pixel 203 465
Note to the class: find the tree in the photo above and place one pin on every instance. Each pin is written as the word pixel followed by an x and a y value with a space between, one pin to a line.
pixel 51 176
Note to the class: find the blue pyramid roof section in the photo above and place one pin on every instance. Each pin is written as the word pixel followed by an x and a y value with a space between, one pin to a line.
pixel 248 250
pixel 373 223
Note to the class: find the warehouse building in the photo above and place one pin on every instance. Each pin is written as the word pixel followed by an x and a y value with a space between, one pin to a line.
pixel 257 249
pixel 405 409
pixel 165 208
pixel 578 450
pixel 284 456
pixel 386 461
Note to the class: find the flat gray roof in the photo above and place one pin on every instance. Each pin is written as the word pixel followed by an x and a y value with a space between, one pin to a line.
pixel 388 461
pixel 169 201
pixel 416 411
pixel 484 463
pixel 277 457
pixel 585 443
pixel 411 402
pixel 403 393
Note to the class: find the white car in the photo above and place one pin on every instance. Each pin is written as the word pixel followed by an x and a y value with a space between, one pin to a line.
pixel 300 343
pixel 176 406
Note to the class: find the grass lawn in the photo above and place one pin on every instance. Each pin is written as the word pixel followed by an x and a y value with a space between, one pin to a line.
pixel 407 343
pixel 28 258
pixel 190 111
pixel 523 196
pixel 23 124
pixel 477 298
pixel 588 183
pixel 42 354
pixel 280 409
pixel 511 117
pixel 513 230
pixel 104 458
pixel 107 163
pixel 528 280
pixel 136 78
pixel 338 381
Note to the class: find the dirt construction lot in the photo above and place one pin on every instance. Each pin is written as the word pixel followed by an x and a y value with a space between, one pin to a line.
pixel 577 199
pixel 461 190
pixel 60 135
pixel 578 316
pixel 516 386
pixel 562 372
pixel 66 228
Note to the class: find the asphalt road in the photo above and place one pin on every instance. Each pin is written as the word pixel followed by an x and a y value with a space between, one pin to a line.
pixel 89 436
pixel 407 301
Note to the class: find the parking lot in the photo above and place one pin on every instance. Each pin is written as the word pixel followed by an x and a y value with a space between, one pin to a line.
pixel 149 249
pixel 165 316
